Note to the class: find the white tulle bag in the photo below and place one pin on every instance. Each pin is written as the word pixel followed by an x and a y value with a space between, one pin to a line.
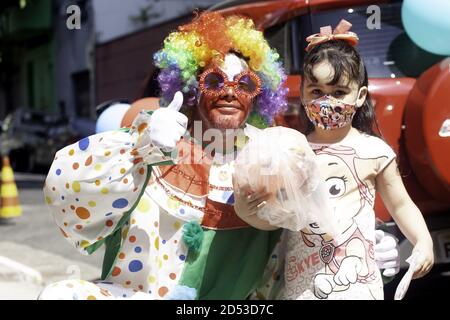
pixel 281 161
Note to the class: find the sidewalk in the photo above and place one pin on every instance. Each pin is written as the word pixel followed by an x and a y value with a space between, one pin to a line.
pixel 53 268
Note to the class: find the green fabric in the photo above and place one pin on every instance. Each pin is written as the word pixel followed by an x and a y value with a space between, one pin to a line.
pixel 230 263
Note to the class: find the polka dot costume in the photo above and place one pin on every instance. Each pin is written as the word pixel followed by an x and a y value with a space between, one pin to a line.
pixel 92 183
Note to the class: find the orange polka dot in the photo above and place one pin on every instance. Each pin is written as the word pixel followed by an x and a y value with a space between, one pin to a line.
pixel 172 276
pixel 128 283
pixel 137 160
pixel 79 226
pixel 88 161
pixel 109 223
pixel 133 221
pixel 141 171
pixel 75 166
pixel 132 239
pixel 125 180
pixel 142 127
pixel 141 287
pixel 97 182
pixel 72 207
pixel 66 224
pixel 53 188
pixel 63 232
pixel 122 255
pixel 116 271
pixel 64 211
pixel 83 213
pixel 162 291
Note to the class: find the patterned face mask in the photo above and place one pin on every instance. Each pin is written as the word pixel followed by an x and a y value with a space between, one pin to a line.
pixel 330 113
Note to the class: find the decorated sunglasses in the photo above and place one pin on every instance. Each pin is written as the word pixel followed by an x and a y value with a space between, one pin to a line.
pixel 213 83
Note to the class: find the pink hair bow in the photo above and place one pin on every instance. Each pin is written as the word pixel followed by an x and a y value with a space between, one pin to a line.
pixel 341 32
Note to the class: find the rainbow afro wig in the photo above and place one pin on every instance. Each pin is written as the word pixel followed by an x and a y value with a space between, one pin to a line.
pixel 207 40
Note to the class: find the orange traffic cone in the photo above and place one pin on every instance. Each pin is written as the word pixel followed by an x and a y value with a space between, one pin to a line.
pixel 10 206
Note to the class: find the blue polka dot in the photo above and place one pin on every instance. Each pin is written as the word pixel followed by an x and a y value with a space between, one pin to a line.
pixel 83 144
pixel 164 242
pixel 274 256
pixel 77 199
pixel 137 249
pixel 231 199
pixel 62 197
pixel 58 172
pixel 182 257
pixel 135 266
pixel 182 211
pixel 108 214
pixel 124 295
pixel 120 203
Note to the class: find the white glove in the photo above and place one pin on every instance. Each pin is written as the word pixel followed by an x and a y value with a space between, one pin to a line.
pixel 386 253
pixel 167 125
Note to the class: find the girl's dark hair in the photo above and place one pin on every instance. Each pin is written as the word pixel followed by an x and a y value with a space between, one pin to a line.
pixel 345 60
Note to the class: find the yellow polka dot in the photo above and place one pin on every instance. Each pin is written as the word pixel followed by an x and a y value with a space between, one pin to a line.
pixel 105 190
pixel 84 244
pixel 152 233
pixel 177 225
pixel 157 243
pixel 125 232
pixel 76 186
pixel 160 263
pixel 165 257
pixel 122 171
pixel 48 200
pixel 91 297
pixel 92 204
pixel 98 167
pixel 107 153
pixel 71 152
pixel 151 279
pixel 144 205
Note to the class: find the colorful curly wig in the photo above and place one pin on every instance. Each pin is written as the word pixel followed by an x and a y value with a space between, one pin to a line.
pixel 208 39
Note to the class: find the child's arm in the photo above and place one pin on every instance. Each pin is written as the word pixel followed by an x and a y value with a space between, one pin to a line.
pixel 406 214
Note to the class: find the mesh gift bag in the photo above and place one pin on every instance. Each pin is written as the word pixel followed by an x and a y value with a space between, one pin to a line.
pixel 281 161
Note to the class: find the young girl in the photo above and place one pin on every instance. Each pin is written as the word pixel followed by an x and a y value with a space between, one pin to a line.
pixel 354 163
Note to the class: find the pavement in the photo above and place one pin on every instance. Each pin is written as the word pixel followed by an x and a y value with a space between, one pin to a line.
pixel 35 241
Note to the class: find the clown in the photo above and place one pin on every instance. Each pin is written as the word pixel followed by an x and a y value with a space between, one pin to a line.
pixel 156 195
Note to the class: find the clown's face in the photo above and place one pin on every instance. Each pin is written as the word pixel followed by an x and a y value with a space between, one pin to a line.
pixel 227 93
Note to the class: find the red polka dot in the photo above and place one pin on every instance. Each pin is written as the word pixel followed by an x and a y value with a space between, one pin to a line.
pixel 132 239
pixel 172 276
pixel 88 161
pixel 109 223
pixel 79 226
pixel 122 151
pixel 72 207
pixel 128 283
pixel 75 166
pixel 141 287
pixel 116 271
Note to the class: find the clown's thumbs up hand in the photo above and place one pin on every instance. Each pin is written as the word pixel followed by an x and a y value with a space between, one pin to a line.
pixel 168 125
